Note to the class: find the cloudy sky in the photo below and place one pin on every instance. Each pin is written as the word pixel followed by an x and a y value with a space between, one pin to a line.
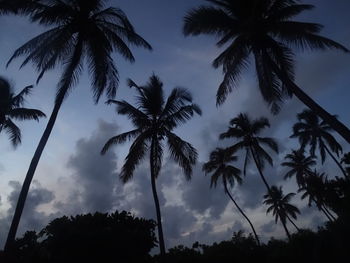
pixel 73 178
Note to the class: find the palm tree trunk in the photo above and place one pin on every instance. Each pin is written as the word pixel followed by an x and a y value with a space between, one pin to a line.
pixel 259 169
pixel 29 177
pixel 41 146
pixel 156 202
pixel 338 126
pixel 291 221
pixel 336 161
pixel 286 229
pixel 329 213
pixel 241 211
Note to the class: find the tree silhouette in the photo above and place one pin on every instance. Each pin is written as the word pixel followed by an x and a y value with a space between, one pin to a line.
pixel 97 237
pixel 346 160
pixel 310 130
pixel 154 120
pixel 314 189
pixel 266 30
pixel 220 166
pixel 81 30
pixel 11 107
pixel 300 165
pixel 280 207
pixel 246 131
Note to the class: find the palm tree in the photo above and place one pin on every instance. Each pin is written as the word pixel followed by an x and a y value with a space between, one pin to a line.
pixel 154 120
pixel 81 31
pixel 300 165
pixel 314 189
pixel 266 30
pixel 246 131
pixel 219 165
pixel 11 107
pixel 310 130
pixel 280 207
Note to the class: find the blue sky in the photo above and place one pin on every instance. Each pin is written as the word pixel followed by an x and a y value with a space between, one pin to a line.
pixel 67 181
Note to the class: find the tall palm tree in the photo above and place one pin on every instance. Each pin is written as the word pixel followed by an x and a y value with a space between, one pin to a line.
pixel 220 166
pixel 80 31
pixel 246 131
pixel 280 207
pixel 11 107
pixel 300 165
pixel 266 30
pixel 312 131
pixel 154 120
pixel 314 189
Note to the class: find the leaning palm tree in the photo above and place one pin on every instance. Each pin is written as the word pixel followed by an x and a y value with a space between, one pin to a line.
pixel 154 120
pixel 315 190
pixel 81 31
pixel 11 107
pixel 281 208
pixel 246 131
pixel 300 165
pixel 310 130
pixel 266 30
pixel 220 166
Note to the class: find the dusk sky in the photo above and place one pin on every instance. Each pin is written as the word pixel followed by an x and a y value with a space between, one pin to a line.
pixel 72 178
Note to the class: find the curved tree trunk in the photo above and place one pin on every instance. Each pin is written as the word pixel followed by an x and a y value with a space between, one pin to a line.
pixel 241 211
pixel 41 146
pixel 291 221
pixel 338 126
pixel 29 177
pixel 286 229
pixel 259 169
pixel 156 202
pixel 336 161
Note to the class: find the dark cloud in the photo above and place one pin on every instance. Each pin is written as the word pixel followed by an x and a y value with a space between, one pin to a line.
pixel 94 176
pixel 199 197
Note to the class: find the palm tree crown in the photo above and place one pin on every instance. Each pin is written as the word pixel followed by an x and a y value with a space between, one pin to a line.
pixel 299 164
pixel 11 107
pixel 219 165
pixel 80 29
pixel 279 204
pixel 264 29
pixel 154 119
pixel 310 130
pixel 247 131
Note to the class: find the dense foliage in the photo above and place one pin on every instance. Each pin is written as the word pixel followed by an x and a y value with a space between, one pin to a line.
pixel 89 238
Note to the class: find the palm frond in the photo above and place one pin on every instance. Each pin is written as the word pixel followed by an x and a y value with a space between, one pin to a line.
pixel 18 100
pixel 135 156
pixel 13 131
pixel 26 114
pixel 182 152
pixel 121 138
pixel 207 20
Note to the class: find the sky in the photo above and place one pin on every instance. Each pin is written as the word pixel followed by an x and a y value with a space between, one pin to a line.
pixel 72 178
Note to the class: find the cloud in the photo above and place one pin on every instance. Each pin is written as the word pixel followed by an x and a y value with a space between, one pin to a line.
pixel 32 218
pixel 95 176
